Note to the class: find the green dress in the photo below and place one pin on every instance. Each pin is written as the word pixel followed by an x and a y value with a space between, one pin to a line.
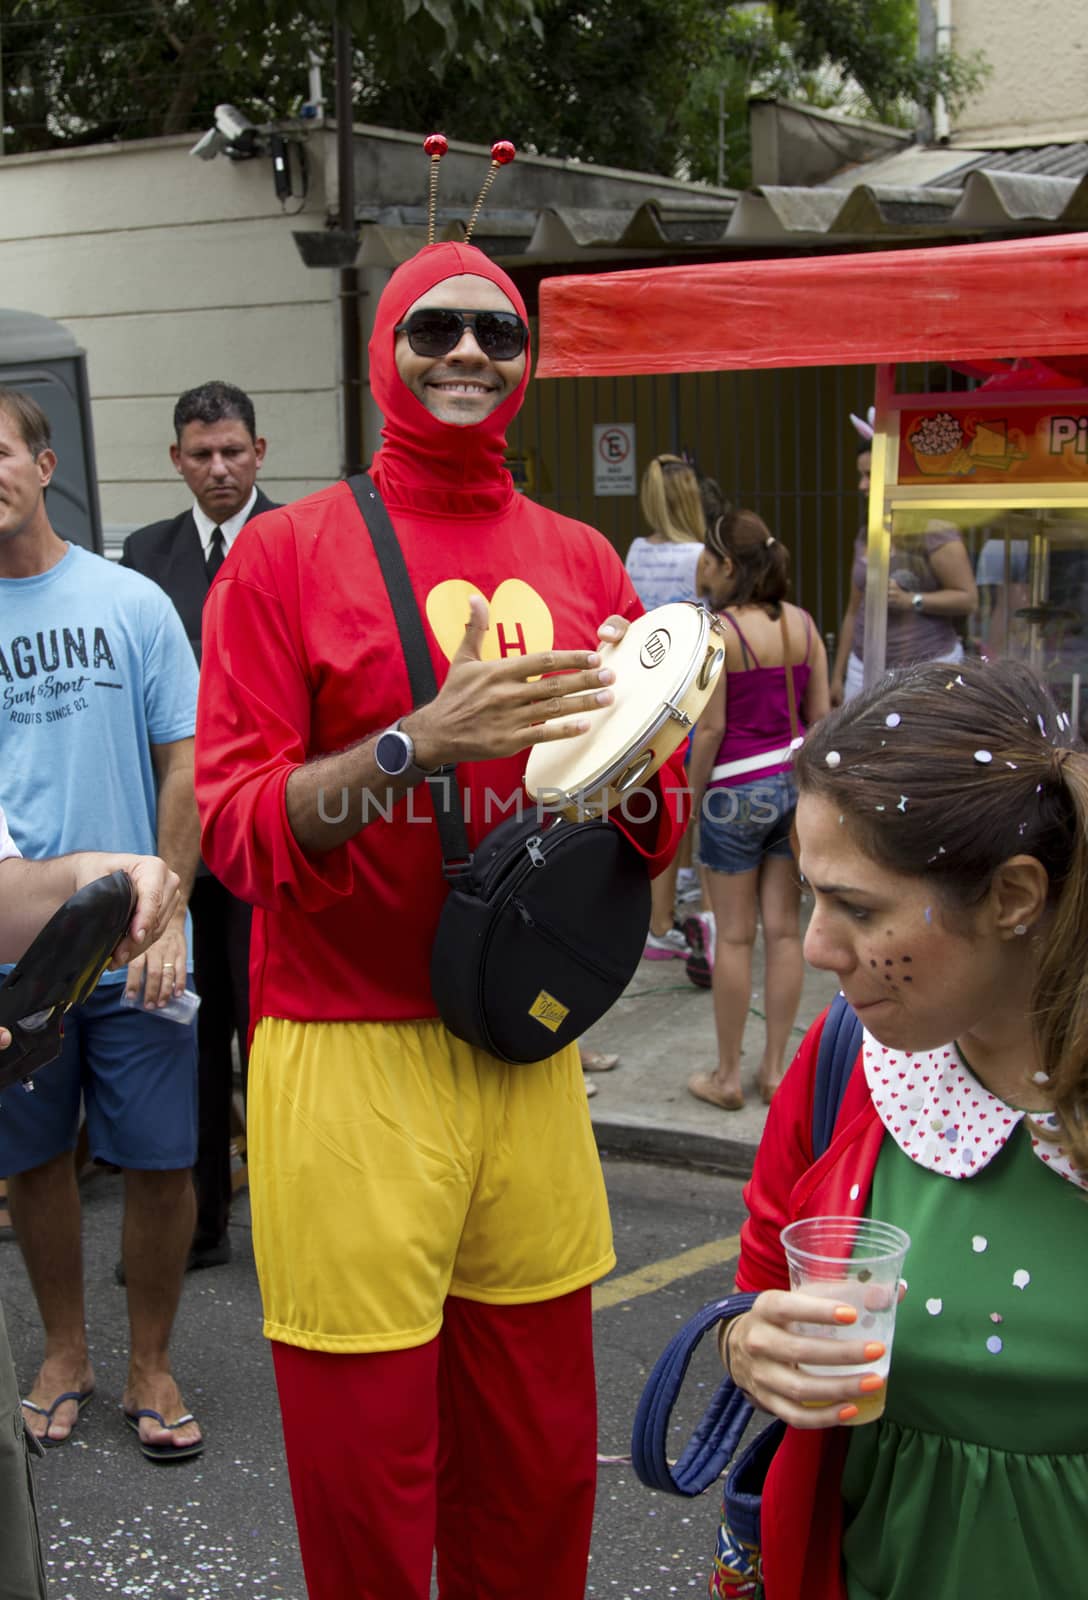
pixel 974 1483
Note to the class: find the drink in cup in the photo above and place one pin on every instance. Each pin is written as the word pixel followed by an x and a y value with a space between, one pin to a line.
pixel 852 1261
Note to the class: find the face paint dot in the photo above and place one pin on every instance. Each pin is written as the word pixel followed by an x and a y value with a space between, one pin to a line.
pixel 929 914
pixel 994 1345
pixel 995 1316
pixel 1039 1077
pixel 906 958
pixel 902 806
pixel 1012 765
pixel 841 821
pixel 907 978
pixel 983 757
pixel 832 758
pixel 892 720
pixel 880 808
pixel 979 1244
pixel 1021 1279
pixel 855 1190
pixel 934 1307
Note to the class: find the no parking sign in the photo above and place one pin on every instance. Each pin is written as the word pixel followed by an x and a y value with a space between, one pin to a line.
pixel 613 458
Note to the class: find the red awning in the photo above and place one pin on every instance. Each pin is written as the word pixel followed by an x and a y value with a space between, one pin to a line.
pixel 966 302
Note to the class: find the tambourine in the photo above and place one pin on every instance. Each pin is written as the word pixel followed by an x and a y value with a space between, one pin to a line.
pixel 666 666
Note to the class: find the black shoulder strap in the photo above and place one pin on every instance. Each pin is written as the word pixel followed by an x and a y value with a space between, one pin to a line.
pixel 840 1042
pixel 445 794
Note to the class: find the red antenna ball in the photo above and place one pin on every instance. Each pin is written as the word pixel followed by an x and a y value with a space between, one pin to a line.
pixel 502 152
pixel 436 144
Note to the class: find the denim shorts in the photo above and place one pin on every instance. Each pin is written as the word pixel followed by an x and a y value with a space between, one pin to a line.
pixel 136 1075
pixel 740 827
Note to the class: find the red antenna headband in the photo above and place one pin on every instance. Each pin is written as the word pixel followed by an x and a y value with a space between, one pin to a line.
pixel 436 145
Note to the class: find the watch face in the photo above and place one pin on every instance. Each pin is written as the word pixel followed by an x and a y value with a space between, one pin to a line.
pixel 393 753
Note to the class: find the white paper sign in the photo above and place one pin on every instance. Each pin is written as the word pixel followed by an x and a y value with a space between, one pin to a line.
pixel 613 458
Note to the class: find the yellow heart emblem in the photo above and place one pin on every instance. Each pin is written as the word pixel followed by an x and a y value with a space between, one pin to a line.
pixel 519 621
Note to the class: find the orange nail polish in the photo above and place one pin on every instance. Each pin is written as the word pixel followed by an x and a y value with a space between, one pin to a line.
pixel 848 1413
pixel 845 1315
pixel 871 1383
pixel 874 1351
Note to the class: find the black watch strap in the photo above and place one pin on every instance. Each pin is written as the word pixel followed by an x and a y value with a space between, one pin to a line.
pixel 445 794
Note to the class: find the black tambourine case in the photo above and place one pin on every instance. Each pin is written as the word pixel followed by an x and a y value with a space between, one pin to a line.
pixel 59 970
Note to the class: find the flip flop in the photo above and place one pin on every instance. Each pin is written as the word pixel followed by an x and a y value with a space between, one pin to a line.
pixel 80 1396
pixel 163 1452
pixel 701 1085
pixel 594 1061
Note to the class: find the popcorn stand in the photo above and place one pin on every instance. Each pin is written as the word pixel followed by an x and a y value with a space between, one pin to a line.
pixel 1005 464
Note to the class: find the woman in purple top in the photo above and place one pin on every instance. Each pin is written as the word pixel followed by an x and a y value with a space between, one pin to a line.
pixel 744 795
pixel 930 587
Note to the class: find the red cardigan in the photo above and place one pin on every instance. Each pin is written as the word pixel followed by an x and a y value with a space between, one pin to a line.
pixel 802 1505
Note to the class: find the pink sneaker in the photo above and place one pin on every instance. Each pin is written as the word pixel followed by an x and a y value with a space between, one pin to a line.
pixel 671 946
pixel 700 933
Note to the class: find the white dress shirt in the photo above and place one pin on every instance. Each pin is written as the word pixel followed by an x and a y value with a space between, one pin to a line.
pixel 230 529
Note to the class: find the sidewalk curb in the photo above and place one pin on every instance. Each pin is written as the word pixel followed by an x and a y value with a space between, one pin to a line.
pixel 641 1140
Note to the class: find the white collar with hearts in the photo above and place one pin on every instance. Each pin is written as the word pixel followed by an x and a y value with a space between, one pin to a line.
pixel 941 1116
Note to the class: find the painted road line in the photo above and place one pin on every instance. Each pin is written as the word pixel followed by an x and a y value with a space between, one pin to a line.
pixel 659 1274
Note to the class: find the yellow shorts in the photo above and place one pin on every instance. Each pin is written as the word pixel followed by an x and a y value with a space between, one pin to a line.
pixel 391 1164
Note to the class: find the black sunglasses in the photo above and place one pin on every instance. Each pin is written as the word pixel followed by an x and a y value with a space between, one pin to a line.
pixel 434 331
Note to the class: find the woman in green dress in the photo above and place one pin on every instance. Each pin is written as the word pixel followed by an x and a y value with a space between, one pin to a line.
pixel 943 825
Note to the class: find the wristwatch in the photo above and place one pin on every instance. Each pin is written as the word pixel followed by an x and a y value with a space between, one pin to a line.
pixel 395 755
pixel 916 599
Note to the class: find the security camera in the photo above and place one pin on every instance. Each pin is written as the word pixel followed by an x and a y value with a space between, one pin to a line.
pixel 239 135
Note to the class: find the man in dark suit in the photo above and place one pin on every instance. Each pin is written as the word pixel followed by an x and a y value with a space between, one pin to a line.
pixel 218 452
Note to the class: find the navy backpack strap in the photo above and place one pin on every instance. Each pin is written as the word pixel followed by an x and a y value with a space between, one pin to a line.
pixel 840 1042
pixel 717 1436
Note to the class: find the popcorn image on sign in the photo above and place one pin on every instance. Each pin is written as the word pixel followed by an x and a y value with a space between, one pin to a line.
pixel 937 445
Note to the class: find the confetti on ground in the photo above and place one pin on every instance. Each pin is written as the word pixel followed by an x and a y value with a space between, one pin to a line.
pixel 934 1307
pixel 979 1244
pixel 994 1345
pixel 1021 1279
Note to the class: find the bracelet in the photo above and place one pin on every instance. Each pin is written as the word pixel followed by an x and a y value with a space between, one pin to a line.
pixel 723 1345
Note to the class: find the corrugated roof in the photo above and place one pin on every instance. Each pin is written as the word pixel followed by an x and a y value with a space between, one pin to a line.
pixel 917 194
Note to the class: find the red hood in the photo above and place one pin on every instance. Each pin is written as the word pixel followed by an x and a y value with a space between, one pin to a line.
pixel 422 461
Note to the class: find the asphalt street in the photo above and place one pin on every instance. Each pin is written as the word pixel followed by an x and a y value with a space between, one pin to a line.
pixel 113 1524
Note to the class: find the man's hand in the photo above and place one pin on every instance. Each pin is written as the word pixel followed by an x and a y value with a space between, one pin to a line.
pixel 156 897
pixel 165 966
pixel 489 709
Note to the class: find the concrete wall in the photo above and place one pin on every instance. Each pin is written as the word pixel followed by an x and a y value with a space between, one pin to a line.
pixel 1038 52
pixel 170 271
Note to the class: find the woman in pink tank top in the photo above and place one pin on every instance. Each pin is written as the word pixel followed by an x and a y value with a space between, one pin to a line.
pixel 775 685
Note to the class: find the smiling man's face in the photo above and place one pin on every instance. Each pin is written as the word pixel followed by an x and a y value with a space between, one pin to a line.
pixel 463 386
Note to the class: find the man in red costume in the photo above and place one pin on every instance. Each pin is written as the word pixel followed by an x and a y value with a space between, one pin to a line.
pixel 427 1220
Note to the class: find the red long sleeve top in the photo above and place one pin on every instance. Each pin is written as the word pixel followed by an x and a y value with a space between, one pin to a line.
pixel 301 658
pixel 801 1520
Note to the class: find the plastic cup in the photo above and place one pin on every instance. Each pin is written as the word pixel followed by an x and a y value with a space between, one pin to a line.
pixel 854 1261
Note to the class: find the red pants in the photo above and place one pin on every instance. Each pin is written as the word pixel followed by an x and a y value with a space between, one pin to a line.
pixel 481 1444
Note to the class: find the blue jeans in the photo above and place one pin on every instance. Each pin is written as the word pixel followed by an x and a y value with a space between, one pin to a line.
pixel 742 825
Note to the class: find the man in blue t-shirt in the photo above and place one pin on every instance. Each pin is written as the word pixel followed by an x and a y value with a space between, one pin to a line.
pixel 97 711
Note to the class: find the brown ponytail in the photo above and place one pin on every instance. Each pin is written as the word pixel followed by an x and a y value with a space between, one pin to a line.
pixel 761 562
pixel 1060 999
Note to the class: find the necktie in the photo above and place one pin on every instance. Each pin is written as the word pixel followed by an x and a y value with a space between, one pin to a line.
pixel 217 554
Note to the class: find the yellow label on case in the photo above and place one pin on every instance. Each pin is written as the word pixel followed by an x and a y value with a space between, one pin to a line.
pixel 548 1010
